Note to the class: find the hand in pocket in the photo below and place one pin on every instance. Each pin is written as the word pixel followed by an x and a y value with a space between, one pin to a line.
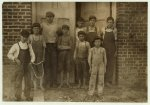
pixel 17 61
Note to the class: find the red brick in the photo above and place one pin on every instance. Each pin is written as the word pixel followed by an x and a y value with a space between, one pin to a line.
pixel 132 26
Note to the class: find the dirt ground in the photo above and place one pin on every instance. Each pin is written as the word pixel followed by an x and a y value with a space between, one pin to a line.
pixel 113 94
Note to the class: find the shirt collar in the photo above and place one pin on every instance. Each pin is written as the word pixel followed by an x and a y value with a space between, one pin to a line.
pixel 109 27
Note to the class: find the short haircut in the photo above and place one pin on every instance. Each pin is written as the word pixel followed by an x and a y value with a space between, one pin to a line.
pixel 97 38
pixel 80 19
pixel 65 27
pixel 49 13
pixel 92 17
pixel 36 25
pixel 81 33
pixel 110 18
pixel 25 33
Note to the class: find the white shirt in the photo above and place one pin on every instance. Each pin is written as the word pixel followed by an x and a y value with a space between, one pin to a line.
pixel 109 30
pixel 14 51
pixel 93 29
pixel 49 32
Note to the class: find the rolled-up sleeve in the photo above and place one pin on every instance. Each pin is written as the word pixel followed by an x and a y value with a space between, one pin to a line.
pixel 31 53
pixel 11 53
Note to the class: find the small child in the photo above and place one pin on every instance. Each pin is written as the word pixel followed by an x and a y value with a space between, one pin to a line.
pixel 22 54
pixel 81 56
pixel 97 62
pixel 38 45
pixel 92 30
pixel 64 47
pixel 80 27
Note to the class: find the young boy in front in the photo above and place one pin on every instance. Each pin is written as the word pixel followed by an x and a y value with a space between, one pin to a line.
pixel 22 54
pixel 64 47
pixel 80 57
pixel 97 62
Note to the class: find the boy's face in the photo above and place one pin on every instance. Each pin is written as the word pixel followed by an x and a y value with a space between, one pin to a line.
pixel 80 24
pixel 23 39
pixel 92 22
pixel 97 43
pixel 36 30
pixel 81 37
pixel 65 31
pixel 50 19
pixel 110 23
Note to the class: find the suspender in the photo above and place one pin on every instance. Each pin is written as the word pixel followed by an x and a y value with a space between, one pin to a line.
pixel 20 47
pixel 94 27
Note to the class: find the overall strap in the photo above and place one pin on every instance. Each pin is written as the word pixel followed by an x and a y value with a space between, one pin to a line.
pixel 86 45
pixel 95 29
pixel 77 48
pixel 19 45
pixel 28 46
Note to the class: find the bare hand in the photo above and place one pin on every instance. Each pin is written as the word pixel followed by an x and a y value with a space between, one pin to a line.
pixel 17 61
pixel 74 57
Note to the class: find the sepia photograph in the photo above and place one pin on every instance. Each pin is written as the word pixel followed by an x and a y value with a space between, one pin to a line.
pixel 75 52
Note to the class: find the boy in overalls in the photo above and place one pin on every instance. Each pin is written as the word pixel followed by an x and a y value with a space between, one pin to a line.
pixel 92 31
pixel 22 54
pixel 80 57
pixel 38 45
pixel 64 48
pixel 97 61
pixel 109 35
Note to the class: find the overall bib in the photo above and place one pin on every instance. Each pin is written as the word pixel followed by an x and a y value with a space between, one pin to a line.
pixel 38 49
pixel 91 36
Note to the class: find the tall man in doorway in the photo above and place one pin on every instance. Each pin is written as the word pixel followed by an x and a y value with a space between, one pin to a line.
pixel 49 28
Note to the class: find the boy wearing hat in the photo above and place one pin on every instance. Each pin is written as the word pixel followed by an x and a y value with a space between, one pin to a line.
pixel 22 54
pixel 97 61
pixel 49 28
pixel 80 57
pixel 64 48
pixel 91 30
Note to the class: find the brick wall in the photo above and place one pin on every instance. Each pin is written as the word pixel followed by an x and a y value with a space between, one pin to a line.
pixel 16 16
pixel 132 37
pixel 132 43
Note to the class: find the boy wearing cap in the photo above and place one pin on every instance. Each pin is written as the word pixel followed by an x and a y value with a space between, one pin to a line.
pixel 97 61
pixel 49 28
pixel 91 30
pixel 109 35
pixel 64 48
pixel 80 57
pixel 80 27
pixel 22 54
